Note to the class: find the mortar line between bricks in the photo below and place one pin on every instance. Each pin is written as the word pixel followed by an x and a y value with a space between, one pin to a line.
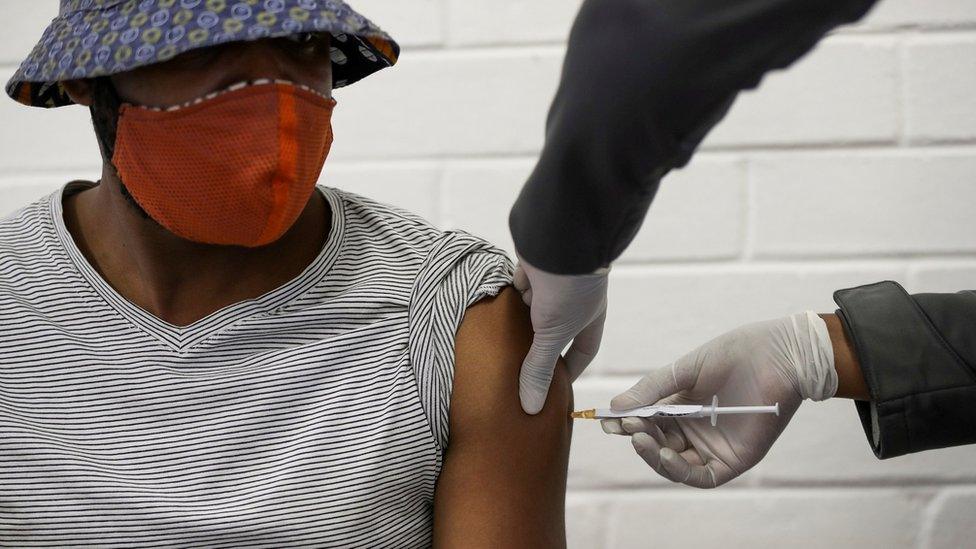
pixel 833 486
pixel 525 48
pixel 889 145
pixel 871 32
pixel 881 256
pixel 826 261
pixel 956 147
pixel 881 482
pixel 922 29
pixel 731 151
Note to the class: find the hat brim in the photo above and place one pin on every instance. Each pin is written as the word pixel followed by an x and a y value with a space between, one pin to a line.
pixel 120 37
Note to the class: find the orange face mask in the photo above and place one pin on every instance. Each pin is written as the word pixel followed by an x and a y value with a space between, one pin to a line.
pixel 236 168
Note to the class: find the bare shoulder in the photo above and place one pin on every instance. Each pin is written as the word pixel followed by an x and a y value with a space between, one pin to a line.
pixel 493 339
pixel 504 478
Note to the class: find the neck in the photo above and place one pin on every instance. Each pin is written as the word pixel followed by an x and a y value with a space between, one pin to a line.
pixel 175 279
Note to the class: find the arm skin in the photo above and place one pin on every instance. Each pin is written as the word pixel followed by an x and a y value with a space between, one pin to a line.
pixel 503 483
pixel 643 83
pixel 850 380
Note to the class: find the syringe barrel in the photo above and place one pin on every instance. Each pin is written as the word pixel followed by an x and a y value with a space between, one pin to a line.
pixel 746 410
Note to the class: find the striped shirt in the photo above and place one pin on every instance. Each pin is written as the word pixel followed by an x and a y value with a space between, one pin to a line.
pixel 315 415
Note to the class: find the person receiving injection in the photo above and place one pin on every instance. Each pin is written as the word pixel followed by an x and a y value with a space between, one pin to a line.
pixel 643 83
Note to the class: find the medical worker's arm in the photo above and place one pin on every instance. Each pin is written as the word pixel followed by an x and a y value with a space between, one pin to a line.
pixel 643 82
pixel 503 482
pixel 908 361
pixel 917 353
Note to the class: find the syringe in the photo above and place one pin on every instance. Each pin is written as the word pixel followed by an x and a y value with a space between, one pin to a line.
pixel 680 411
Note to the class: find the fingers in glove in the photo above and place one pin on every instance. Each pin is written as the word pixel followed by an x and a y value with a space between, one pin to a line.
pixel 688 467
pixel 674 436
pixel 658 384
pixel 521 280
pixel 536 375
pixel 677 468
pixel 649 450
pixel 692 456
pixel 521 284
pixel 655 431
pixel 663 432
pixel 613 427
pixel 585 346
pixel 632 425
pixel 691 469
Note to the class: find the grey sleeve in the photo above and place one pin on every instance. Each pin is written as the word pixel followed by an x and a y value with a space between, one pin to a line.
pixel 643 83
pixel 918 357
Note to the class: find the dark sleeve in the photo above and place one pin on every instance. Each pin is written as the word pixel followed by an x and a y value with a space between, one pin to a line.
pixel 918 357
pixel 642 84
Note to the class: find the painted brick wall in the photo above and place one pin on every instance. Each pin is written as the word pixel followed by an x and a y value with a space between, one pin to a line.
pixel 859 164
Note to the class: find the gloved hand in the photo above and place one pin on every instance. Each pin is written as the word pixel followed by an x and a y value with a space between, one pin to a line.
pixel 564 308
pixel 784 360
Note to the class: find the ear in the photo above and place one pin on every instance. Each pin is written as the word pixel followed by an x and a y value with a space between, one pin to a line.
pixel 80 91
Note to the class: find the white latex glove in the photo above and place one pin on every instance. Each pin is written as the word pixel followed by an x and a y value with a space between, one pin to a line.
pixel 784 360
pixel 564 308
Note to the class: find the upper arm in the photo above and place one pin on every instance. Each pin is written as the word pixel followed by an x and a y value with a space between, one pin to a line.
pixel 503 482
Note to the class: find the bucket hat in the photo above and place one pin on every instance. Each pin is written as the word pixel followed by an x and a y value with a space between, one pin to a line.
pixel 91 38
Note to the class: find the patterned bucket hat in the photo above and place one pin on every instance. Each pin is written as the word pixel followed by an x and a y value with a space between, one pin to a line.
pixel 92 38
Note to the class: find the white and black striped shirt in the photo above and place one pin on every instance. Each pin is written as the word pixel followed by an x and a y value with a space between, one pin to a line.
pixel 313 416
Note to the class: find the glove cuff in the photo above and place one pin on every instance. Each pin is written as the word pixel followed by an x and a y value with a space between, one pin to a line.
pixel 814 360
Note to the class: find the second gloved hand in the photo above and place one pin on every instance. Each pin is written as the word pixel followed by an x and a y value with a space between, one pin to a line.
pixel 784 360
pixel 564 308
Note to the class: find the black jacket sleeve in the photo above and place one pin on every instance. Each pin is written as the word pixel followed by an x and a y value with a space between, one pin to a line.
pixel 642 84
pixel 918 357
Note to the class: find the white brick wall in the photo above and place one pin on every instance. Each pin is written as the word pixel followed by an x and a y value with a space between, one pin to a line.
pixel 846 93
pixel 485 22
pixel 857 165
pixel 940 75
pixel 746 519
pixel 951 523
pixel 924 14
pixel 875 203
